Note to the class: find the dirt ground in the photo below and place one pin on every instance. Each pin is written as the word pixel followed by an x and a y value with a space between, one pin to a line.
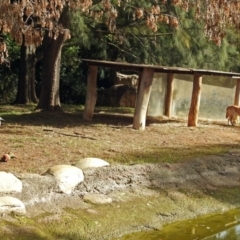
pixel 41 140
pixel 192 168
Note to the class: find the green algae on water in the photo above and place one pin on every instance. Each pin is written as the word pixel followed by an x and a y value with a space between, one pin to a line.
pixel 205 227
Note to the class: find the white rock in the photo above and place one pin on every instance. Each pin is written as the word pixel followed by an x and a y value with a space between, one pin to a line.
pixel 10 204
pixel 91 163
pixel 67 176
pixel 97 198
pixel 9 183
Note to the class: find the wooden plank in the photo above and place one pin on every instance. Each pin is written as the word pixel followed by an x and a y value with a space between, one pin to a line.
pixel 236 99
pixel 157 68
pixel 91 95
pixel 195 103
pixel 146 78
pixel 169 94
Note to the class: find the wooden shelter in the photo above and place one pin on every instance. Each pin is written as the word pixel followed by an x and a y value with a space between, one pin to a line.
pixel 146 73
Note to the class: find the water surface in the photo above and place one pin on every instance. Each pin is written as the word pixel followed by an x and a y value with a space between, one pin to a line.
pixel 224 226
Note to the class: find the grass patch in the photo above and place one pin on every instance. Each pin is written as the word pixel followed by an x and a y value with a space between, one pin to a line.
pixel 132 213
pixel 170 155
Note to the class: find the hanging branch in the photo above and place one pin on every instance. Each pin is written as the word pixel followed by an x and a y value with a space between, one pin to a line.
pixel 30 19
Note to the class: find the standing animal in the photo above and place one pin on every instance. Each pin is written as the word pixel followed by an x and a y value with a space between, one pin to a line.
pixel 232 112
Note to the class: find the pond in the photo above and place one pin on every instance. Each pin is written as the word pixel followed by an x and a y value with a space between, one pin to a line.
pixel 224 226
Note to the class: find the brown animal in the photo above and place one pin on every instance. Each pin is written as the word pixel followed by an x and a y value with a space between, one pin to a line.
pixel 232 113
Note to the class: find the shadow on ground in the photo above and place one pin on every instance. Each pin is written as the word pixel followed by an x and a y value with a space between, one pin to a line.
pixel 63 119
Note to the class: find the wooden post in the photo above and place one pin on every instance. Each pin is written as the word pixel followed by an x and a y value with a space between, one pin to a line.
pixel 236 99
pixel 143 96
pixel 169 95
pixel 195 103
pixel 91 95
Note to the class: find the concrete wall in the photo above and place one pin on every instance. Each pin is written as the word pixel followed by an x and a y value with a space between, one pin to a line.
pixel 217 93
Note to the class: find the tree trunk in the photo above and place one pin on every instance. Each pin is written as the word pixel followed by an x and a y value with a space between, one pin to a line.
pixel 49 96
pixel 26 82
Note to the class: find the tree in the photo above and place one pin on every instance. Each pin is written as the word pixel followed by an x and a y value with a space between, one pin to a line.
pixel 34 22
pixel 9 73
pixel 29 22
pixel 26 79
pixel 49 97
pixel 188 46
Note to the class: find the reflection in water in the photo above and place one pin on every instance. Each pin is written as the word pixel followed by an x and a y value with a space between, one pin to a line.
pixel 232 233
pixel 221 226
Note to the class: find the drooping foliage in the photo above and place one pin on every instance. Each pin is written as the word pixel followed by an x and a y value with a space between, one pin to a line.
pixel 189 47
pixel 29 18
pixel 143 32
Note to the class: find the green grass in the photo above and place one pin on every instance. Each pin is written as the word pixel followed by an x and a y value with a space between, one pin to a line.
pixel 170 155
pixel 137 213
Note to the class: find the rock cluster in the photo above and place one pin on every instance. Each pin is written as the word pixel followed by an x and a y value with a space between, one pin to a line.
pixel 59 178
pixel 93 181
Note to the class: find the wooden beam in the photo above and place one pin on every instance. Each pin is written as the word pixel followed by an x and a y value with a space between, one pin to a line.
pixel 91 95
pixel 143 95
pixel 236 99
pixel 195 103
pixel 169 95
